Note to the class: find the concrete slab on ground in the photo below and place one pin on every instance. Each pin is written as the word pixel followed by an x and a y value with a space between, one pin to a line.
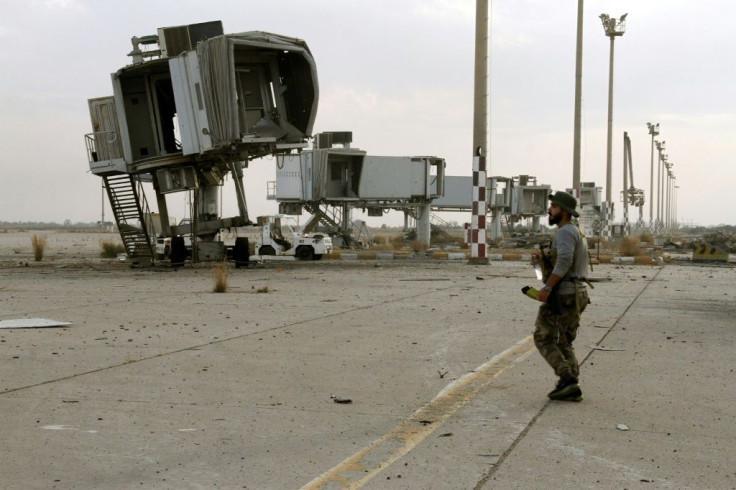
pixel 161 383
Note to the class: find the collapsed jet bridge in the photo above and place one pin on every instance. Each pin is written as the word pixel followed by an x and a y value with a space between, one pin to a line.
pixel 195 105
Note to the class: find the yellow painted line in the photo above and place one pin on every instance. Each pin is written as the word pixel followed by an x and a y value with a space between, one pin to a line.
pixel 362 466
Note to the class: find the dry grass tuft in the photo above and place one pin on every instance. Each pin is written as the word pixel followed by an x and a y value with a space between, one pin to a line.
pixel 381 239
pixel 111 249
pixel 398 242
pixel 647 237
pixel 219 276
pixel 39 245
pixel 629 246
pixel 417 246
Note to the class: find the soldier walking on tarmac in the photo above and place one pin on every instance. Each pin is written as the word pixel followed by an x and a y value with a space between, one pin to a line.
pixel 564 296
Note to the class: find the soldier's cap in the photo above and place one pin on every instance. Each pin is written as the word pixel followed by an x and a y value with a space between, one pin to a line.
pixel 565 201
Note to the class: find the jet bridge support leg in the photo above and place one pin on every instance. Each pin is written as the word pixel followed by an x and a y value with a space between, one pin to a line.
pixel 424 229
pixel 237 172
pixel 163 210
pixel 535 224
pixel 496 231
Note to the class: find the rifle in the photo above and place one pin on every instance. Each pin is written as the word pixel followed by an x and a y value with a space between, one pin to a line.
pixel 548 265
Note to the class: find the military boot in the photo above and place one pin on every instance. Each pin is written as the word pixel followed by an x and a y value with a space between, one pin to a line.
pixel 566 386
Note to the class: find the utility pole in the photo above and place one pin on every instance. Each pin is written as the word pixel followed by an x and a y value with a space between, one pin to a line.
pixel 661 197
pixel 675 205
pixel 477 237
pixel 654 131
pixel 578 98
pixel 660 149
pixel 612 28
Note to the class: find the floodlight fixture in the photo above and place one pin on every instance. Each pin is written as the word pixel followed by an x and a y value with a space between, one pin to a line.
pixel 653 128
pixel 613 27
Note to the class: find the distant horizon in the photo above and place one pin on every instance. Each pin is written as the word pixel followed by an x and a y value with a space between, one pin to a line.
pixel 451 225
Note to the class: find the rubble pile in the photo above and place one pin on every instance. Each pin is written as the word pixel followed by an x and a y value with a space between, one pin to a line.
pixel 723 240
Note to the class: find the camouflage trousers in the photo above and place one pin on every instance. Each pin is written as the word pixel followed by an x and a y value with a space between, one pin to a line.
pixel 555 332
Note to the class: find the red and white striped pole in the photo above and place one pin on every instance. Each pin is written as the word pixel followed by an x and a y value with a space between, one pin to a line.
pixel 480 136
pixel 478 218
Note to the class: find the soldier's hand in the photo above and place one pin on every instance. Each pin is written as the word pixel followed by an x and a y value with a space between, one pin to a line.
pixel 542 295
pixel 535 259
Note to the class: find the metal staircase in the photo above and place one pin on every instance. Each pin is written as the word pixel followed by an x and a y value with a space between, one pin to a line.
pixel 507 226
pixel 332 217
pixel 130 208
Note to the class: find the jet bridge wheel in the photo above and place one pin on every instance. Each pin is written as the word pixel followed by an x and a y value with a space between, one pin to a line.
pixel 266 250
pixel 305 252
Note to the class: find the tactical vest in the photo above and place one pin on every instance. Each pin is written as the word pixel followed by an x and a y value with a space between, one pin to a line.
pixel 549 259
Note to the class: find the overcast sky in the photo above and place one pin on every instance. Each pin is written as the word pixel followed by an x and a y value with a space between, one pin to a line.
pixel 399 74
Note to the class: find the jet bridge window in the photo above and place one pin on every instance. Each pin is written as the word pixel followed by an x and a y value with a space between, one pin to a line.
pixel 150 110
pixel 344 176
pixel 165 106
pixel 255 98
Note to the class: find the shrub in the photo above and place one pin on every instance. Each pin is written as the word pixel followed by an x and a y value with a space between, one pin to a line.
pixel 381 239
pixel 417 246
pixel 110 249
pixel 398 242
pixel 629 246
pixel 219 276
pixel 39 245
pixel 647 237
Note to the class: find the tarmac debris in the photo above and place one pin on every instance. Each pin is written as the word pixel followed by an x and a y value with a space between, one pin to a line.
pixel 338 399
pixel 33 323
pixel 622 427
pixel 608 349
pixel 442 374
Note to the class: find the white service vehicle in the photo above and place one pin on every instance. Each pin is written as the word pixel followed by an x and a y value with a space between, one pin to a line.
pixel 277 237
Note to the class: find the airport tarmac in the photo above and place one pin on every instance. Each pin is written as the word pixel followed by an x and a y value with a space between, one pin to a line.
pixel 373 374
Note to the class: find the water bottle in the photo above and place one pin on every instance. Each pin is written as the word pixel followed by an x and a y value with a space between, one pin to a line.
pixel 530 291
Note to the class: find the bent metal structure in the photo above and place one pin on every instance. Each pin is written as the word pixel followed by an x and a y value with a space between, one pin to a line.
pixel 195 105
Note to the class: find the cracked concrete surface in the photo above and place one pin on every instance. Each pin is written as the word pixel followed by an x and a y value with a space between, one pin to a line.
pixel 160 383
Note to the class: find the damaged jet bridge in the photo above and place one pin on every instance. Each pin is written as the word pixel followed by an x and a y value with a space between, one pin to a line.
pixel 194 105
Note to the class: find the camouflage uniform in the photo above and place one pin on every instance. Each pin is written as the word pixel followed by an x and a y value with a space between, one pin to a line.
pixel 555 333
pixel 558 319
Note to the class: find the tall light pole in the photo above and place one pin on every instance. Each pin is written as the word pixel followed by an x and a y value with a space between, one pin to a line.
pixel 654 131
pixel 670 183
pixel 578 98
pixel 480 136
pixel 675 205
pixel 666 203
pixel 661 197
pixel 613 28
pixel 660 149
